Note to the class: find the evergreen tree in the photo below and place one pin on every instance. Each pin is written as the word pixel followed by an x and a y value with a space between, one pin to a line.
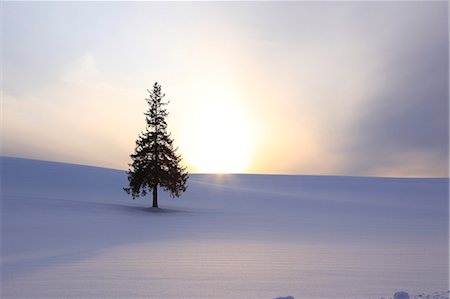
pixel 155 162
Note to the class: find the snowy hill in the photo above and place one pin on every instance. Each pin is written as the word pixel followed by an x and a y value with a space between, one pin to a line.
pixel 71 231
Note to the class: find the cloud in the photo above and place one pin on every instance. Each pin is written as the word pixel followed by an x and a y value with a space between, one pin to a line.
pixel 405 125
pixel 354 88
pixel 83 117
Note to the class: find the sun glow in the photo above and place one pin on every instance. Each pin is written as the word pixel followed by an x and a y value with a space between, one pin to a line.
pixel 220 136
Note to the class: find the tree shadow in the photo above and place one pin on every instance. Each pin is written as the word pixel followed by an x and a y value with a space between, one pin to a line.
pixel 72 230
pixel 156 211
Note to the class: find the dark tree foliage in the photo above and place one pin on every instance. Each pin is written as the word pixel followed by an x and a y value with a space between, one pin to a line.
pixel 155 162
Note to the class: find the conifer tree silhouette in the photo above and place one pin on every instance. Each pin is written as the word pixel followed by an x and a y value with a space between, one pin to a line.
pixel 155 161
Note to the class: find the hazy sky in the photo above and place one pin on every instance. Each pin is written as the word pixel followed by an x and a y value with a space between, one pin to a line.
pixel 347 88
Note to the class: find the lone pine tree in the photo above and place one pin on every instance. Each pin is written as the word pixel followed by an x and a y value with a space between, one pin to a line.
pixel 155 162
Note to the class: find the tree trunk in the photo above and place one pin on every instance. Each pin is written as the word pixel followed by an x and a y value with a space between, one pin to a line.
pixel 155 196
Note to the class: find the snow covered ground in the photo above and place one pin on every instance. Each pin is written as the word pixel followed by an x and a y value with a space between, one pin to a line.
pixel 71 231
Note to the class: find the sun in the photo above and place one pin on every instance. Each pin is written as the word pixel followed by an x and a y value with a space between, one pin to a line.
pixel 219 137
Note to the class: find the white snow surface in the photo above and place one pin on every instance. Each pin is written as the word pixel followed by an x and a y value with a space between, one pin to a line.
pixel 70 231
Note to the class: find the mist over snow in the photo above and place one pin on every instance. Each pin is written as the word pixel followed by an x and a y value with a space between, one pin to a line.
pixel 70 231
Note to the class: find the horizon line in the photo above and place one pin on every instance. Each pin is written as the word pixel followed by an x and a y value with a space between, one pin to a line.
pixel 225 174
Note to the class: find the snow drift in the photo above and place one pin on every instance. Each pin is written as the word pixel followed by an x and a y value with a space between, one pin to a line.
pixel 70 231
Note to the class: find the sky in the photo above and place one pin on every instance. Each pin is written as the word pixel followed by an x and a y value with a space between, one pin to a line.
pixel 328 88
